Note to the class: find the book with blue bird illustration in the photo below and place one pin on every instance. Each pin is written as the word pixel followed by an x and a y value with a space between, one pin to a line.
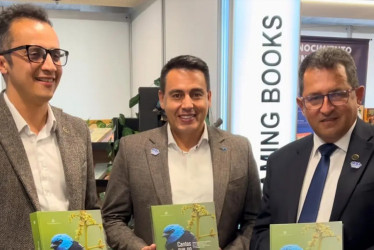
pixel 307 236
pixel 185 226
pixel 68 230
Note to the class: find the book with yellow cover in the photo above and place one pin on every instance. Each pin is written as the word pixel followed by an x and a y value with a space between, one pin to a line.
pixel 101 130
pixel 185 226
pixel 100 134
pixel 80 229
pixel 299 236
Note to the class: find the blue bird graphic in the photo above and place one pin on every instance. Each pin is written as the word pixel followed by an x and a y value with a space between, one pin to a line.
pixel 64 242
pixel 291 247
pixel 176 236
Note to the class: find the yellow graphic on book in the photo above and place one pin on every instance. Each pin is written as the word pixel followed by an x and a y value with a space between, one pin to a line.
pixel 198 211
pixel 320 232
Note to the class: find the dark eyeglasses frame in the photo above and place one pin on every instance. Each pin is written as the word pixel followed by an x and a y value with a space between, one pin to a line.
pixel 329 97
pixel 48 51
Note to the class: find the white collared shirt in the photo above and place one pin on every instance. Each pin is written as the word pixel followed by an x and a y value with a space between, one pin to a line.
pixel 335 169
pixel 191 173
pixel 45 160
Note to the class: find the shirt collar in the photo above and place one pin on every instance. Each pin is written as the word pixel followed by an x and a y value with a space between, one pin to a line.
pixel 342 143
pixel 50 125
pixel 204 137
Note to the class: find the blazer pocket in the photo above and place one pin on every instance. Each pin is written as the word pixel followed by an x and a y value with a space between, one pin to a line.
pixel 238 182
pixel 236 191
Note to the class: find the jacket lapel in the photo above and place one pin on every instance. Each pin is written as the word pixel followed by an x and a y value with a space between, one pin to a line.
pixel 156 152
pixel 14 149
pixel 70 158
pixel 364 149
pixel 220 152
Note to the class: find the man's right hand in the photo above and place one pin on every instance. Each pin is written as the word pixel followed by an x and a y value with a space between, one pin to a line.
pixel 151 247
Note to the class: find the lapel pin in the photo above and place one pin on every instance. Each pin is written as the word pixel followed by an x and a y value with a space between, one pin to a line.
pixel 355 157
pixel 355 164
pixel 155 151
pixel 65 130
pixel 223 148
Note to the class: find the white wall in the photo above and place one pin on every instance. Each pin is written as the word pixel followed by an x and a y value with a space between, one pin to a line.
pixel 358 32
pixel 96 80
pixel 191 27
pixel 147 48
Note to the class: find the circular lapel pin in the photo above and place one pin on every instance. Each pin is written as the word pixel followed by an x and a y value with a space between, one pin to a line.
pixel 355 157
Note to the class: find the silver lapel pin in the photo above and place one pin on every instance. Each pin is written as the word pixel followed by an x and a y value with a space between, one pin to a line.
pixel 355 164
pixel 155 151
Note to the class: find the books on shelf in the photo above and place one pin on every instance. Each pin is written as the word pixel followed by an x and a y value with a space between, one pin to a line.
pixel 298 236
pixel 185 226
pixel 101 134
pixel 369 115
pixel 101 170
pixel 101 130
pixel 80 229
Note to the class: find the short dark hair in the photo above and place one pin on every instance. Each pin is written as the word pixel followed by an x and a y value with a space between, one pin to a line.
pixel 329 58
pixel 15 12
pixel 184 62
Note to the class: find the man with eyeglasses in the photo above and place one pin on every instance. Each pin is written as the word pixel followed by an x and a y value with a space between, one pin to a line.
pixel 329 175
pixel 45 155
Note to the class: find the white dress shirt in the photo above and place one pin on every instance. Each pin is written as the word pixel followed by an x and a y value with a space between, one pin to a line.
pixel 191 173
pixel 45 160
pixel 335 168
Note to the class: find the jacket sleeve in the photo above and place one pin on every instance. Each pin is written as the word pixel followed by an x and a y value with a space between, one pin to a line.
pixel 251 207
pixel 260 237
pixel 118 208
pixel 91 200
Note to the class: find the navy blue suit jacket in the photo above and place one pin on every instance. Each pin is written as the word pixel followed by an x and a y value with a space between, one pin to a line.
pixel 354 199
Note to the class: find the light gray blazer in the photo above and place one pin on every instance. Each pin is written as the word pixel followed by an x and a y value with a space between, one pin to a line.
pixel 140 179
pixel 18 197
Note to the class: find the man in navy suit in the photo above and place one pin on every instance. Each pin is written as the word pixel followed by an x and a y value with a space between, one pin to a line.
pixel 329 98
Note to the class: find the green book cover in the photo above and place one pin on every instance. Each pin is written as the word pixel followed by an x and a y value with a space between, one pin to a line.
pixel 81 229
pixel 185 226
pixel 307 236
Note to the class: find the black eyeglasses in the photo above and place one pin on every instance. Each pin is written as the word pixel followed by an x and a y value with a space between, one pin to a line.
pixel 336 98
pixel 38 54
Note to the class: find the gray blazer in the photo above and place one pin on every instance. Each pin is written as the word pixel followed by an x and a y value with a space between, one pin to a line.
pixel 18 192
pixel 140 179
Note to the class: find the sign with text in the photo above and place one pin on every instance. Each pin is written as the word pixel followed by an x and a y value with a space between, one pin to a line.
pixel 264 74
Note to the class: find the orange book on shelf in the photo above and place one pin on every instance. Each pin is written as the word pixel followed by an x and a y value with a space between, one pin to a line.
pixel 369 115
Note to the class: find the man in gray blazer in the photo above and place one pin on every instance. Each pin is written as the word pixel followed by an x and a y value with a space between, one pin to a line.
pixel 184 161
pixel 45 154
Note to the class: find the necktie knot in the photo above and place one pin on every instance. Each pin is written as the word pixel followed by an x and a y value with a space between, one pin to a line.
pixel 327 149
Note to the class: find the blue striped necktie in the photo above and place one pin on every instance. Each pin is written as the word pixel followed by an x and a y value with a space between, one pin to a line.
pixel 313 198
